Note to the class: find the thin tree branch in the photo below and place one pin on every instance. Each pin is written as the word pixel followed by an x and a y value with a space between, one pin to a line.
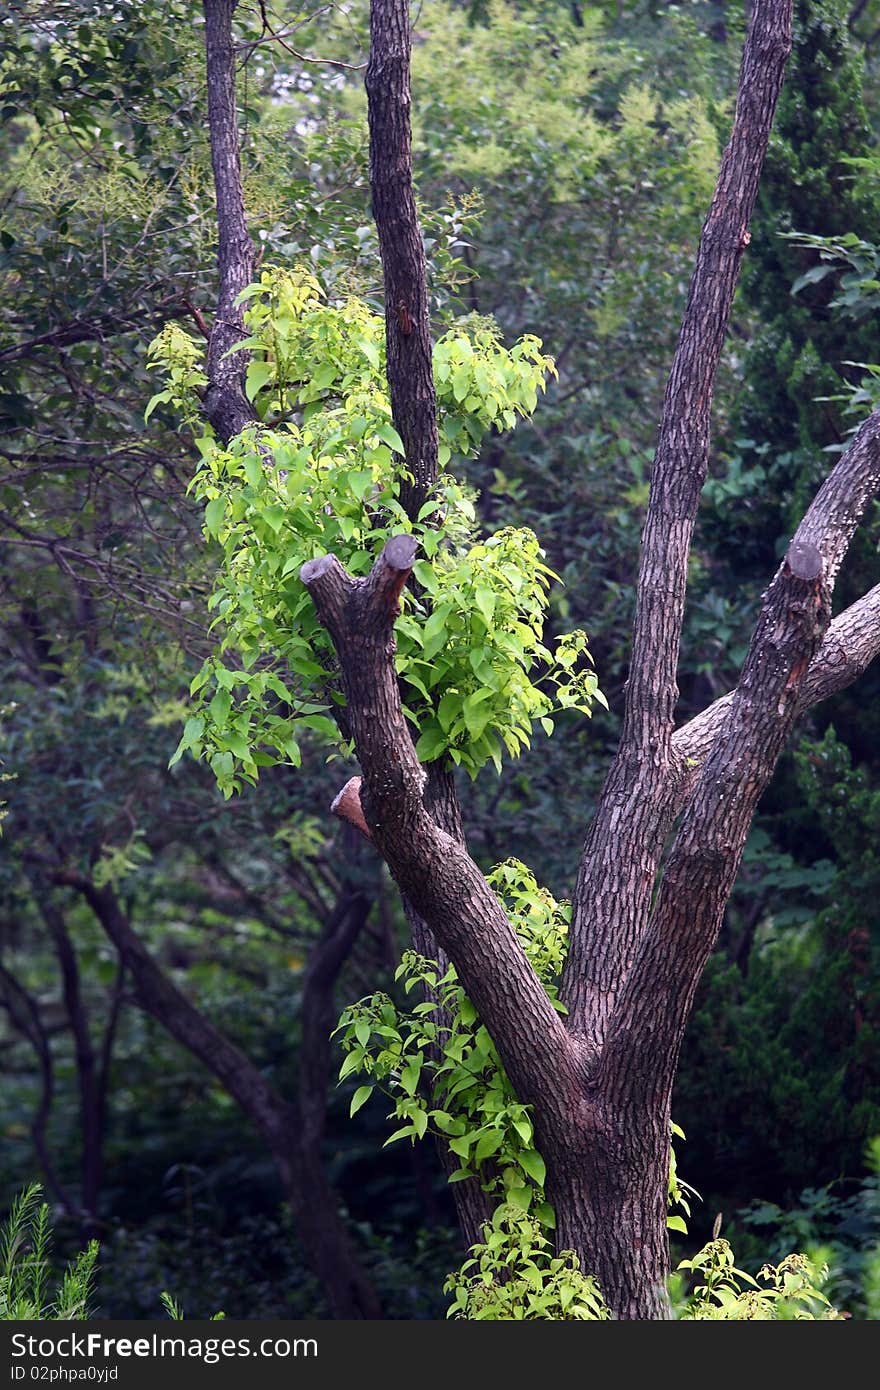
pixel 407 331
pixel 225 402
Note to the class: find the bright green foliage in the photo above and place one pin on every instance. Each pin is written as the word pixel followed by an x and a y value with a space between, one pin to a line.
pixel 515 1274
pixel 439 1065
pixel 174 1309
pixel 680 1192
pixel 181 358
pixel 25 1270
pixel 441 1069
pixel 789 1291
pixel 470 650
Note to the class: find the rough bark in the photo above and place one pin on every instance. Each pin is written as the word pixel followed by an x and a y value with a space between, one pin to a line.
pixel 225 403
pixel 432 868
pixel 407 330
pixel 614 889
pixel 602 1118
pixel 409 367
pixel 600 1082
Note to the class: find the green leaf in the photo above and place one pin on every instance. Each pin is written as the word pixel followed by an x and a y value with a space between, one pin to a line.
pixel 520 1197
pixel 409 1077
pixel 544 1213
pixel 488 1144
pixel 406 1132
pixel 485 601
pixel 258 374
pixel 475 716
pixel 192 731
pixel 159 398
pixel 387 432
pixel 237 744
pixel 431 743
pixel 676 1223
pixel 219 708
pixel 360 1097
pixel 532 1162
pixel 370 351
pixel 214 514
pixel 324 376
pixel 360 482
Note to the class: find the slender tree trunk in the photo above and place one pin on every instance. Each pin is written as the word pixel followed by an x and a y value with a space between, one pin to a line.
pixel 326 1243
pixel 90 1100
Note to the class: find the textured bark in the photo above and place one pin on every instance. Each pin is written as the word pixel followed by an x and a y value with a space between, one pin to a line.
pixel 614 889
pixel 225 403
pixel 407 331
pixel 91 1098
pixel 600 1083
pixel 431 867
pixel 409 363
pixel 602 1115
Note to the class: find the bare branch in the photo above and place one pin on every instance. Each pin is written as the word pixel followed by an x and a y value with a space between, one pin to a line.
pixel 433 870
pixel 851 643
pixel 225 403
pixel 407 331
pixel 612 887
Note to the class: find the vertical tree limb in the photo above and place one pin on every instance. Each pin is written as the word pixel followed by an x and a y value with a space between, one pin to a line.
pixel 407 330
pixel 24 1014
pixel 614 888
pixel 91 1127
pixel 225 403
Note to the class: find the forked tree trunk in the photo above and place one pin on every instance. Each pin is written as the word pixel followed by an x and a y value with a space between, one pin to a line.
pixel 600 1082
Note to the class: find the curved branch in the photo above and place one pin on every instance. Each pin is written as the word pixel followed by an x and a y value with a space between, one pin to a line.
pixel 324 1237
pixel 432 868
pixel 837 508
pixel 850 645
pixel 24 1014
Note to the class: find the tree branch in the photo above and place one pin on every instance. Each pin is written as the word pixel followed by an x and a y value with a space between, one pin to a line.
pixel 325 1240
pixel 850 645
pixel 225 403
pixel 433 870
pixel 407 331
pixel 648 1024
pixel 613 893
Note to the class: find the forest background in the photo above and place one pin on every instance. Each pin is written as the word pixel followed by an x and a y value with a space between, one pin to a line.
pixel 158 939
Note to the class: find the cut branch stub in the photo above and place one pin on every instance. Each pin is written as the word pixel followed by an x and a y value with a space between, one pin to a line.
pixel 391 571
pixel 359 616
pixel 378 596
pixel 347 805
pixel 803 560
